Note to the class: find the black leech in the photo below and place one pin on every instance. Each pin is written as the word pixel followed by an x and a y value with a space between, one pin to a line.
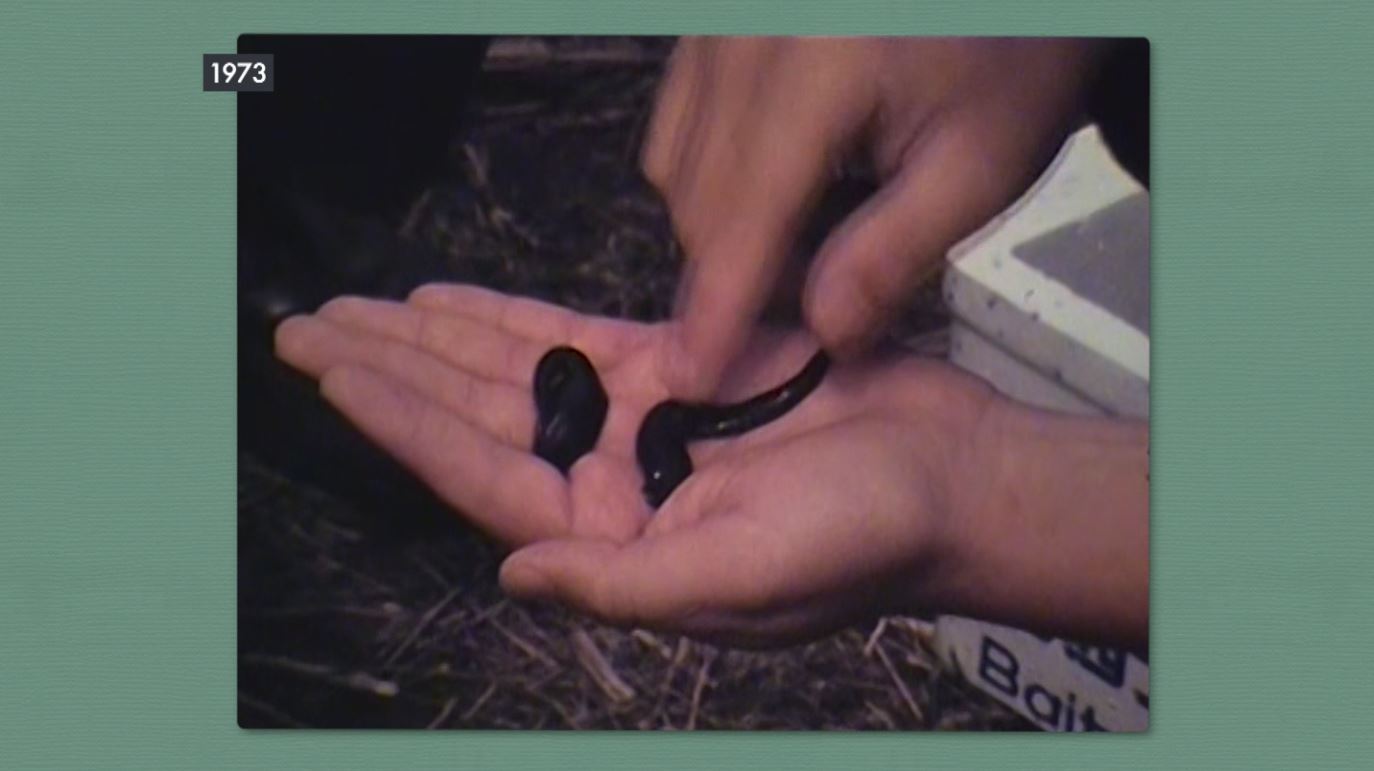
pixel 661 446
pixel 572 407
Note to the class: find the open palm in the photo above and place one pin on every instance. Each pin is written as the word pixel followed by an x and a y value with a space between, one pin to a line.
pixel 444 383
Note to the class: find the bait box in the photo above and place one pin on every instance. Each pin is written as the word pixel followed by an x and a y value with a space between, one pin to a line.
pixel 1050 302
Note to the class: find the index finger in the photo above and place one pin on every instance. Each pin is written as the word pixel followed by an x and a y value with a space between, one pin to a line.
pixel 738 232
pixel 601 338
pixel 509 493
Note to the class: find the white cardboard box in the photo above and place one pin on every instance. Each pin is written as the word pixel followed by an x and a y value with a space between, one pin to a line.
pixel 1060 285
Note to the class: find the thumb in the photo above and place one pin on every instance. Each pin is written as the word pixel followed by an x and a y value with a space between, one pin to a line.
pixel 595 577
pixel 896 240
pixel 564 570
pixel 654 581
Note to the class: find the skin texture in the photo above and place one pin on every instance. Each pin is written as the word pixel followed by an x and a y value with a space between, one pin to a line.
pixel 748 132
pixel 898 485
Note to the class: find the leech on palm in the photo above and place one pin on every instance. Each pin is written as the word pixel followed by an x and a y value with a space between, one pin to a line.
pixel 572 406
pixel 444 382
pixel 858 501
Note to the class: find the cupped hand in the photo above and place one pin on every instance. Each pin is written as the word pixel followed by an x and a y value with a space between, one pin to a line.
pixel 833 511
pixel 778 540
pixel 444 383
pixel 748 132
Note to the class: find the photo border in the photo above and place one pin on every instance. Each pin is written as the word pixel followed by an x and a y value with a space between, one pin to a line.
pixel 117 428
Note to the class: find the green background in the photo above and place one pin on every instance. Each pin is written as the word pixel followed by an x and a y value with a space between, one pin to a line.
pixel 117 387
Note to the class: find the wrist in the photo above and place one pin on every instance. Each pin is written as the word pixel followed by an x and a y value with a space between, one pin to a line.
pixel 974 504
pixel 1048 525
pixel 957 439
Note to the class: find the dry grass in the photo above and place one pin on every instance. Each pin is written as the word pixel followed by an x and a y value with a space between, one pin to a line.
pixel 346 625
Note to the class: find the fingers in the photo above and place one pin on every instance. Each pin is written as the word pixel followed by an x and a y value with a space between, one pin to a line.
pixel 509 493
pixel 740 170
pixel 737 246
pixel 661 581
pixel 603 339
pixel 473 345
pixel 315 345
pixel 868 268
pixel 723 292
pixel 448 395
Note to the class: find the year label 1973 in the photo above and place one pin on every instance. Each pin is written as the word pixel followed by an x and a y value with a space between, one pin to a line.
pixel 238 72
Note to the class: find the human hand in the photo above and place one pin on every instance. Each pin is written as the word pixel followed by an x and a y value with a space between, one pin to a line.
pixel 840 512
pixel 444 383
pixel 747 132
pixel 898 484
